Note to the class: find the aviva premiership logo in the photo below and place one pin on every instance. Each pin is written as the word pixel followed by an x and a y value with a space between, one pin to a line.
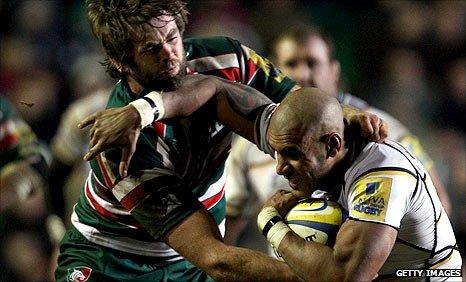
pixel 79 274
pixel 371 197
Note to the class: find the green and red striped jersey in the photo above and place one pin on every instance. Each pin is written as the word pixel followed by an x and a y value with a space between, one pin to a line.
pixel 178 166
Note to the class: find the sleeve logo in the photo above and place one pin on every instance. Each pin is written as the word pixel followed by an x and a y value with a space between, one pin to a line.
pixel 370 197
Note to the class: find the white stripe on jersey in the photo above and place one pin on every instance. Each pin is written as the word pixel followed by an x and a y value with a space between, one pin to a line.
pixel 214 188
pixel 103 203
pixel 214 63
pixel 127 184
pixel 129 245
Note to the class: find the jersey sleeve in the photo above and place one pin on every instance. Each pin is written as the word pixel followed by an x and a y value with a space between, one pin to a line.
pixel 259 73
pixel 381 196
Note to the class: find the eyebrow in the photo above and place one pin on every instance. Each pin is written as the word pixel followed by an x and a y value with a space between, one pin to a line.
pixel 149 44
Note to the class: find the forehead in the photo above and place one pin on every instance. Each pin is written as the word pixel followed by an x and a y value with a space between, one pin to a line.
pixel 284 135
pixel 313 47
pixel 316 46
pixel 158 28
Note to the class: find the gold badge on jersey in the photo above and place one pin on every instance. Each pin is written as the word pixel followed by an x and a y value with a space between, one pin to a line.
pixel 370 197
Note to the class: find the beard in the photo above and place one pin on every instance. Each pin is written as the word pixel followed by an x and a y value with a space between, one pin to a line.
pixel 153 81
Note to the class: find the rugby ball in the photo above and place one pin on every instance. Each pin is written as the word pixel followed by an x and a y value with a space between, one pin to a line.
pixel 316 220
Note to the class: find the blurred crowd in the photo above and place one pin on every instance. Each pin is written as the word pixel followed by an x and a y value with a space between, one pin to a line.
pixel 405 57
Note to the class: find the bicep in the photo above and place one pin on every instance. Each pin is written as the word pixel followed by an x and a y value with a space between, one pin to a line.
pixel 362 247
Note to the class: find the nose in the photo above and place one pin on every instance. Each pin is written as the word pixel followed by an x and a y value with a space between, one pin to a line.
pixel 167 51
pixel 304 75
pixel 283 167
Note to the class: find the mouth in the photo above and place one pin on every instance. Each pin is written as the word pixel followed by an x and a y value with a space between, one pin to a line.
pixel 293 184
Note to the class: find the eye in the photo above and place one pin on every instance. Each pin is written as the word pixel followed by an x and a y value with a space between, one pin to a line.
pixel 292 153
pixel 291 63
pixel 172 39
pixel 150 49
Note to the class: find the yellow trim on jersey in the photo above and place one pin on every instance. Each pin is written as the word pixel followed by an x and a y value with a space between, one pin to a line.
pixel 371 194
pixel 386 173
pixel 370 197
pixel 264 65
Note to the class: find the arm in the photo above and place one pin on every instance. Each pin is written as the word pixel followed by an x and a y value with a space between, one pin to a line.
pixel 237 106
pixel 356 256
pixel 197 239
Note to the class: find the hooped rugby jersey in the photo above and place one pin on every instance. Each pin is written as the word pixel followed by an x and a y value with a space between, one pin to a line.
pixel 178 165
pixel 387 185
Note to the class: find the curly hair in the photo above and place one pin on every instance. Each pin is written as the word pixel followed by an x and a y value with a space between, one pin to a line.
pixel 119 23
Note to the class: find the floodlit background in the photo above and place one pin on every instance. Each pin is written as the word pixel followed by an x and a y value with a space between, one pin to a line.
pixel 405 57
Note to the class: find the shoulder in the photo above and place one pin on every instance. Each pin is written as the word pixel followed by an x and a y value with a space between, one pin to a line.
pixel 197 47
pixel 120 96
pixel 388 158
pixel 353 101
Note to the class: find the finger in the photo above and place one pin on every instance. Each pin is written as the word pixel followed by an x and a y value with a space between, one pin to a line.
pixel 366 126
pixel 126 155
pixel 87 121
pixel 375 123
pixel 383 131
pixel 94 151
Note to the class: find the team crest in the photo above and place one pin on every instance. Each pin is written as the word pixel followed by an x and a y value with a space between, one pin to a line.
pixel 79 274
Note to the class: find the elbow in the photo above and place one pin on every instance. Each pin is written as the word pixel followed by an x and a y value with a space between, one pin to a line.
pixel 218 266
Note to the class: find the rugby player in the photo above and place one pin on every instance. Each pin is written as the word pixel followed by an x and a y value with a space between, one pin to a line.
pixel 22 166
pixel 165 216
pixel 306 54
pixel 396 220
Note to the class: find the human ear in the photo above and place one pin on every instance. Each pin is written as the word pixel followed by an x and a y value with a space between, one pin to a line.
pixel 333 144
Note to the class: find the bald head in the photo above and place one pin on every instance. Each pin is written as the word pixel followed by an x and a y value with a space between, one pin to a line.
pixel 308 111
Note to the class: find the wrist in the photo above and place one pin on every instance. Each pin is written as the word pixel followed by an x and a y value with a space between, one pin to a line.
pixel 150 108
pixel 271 225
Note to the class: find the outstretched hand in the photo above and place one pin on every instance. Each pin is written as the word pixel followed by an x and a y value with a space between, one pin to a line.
pixel 116 127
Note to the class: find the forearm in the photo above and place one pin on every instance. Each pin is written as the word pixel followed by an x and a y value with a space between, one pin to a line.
pixel 240 264
pixel 311 261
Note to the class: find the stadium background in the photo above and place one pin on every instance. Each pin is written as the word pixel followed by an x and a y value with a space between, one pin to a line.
pixel 405 57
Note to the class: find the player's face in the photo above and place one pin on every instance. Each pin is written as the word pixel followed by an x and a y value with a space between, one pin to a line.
pixel 159 57
pixel 300 160
pixel 309 63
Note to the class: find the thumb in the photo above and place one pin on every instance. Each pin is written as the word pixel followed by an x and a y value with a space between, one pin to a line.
pixel 127 154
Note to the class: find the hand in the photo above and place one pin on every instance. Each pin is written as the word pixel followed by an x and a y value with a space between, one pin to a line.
pixel 282 201
pixel 372 127
pixel 116 127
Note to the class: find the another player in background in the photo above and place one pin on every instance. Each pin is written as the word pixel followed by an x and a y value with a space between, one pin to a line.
pixel 28 233
pixel 307 55
pixel 396 220
pixel 166 214
pixel 91 85
pixel 22 166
